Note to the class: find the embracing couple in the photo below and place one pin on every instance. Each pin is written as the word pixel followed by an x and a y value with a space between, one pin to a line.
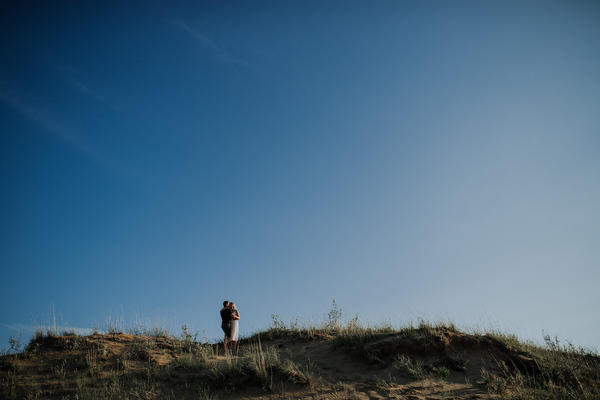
pixel 230 318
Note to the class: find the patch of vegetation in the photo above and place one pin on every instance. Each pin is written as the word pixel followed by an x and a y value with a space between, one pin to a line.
pixel 259 366
pixel 414 368
pixel 279 330
pixel 550 371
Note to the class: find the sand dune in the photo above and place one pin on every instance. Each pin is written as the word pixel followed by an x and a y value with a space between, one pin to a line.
pixel 423 363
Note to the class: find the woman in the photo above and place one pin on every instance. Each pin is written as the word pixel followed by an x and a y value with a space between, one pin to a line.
pixel 235 326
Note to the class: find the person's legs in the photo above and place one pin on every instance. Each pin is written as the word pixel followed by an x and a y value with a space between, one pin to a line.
pixel 227 330
pixel 234 335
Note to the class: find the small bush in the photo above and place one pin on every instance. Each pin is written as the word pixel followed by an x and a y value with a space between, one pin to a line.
pixel 413 368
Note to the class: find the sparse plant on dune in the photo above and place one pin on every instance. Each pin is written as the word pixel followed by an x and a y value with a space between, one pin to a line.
pixel 279 330
pixel 357 336
pixel 16 346
pixel 259 365
pixel 443 372
pixel 414 368
pixel 334 318
pixel 92 363
pixel 203 393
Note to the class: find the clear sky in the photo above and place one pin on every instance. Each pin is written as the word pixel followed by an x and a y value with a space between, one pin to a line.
pixel 407 159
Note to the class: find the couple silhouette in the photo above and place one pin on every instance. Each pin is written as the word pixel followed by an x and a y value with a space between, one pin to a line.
pixel 230 318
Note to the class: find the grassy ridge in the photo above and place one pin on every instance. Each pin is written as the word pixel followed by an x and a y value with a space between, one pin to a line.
pixel 152 363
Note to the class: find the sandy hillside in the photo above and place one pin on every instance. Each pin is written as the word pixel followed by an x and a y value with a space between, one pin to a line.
pixel 444 364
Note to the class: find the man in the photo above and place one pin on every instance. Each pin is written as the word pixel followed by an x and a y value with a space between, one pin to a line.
pixel 226 322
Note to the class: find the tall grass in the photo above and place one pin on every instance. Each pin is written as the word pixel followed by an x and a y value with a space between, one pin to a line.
pixel 560 372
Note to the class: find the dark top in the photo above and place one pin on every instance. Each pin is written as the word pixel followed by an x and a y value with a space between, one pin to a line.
pixel 226 315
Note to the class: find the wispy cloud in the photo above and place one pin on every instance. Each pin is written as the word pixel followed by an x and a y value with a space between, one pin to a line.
pixel 72 78
pixel 221 54
pixel 69 136
pixel 18 327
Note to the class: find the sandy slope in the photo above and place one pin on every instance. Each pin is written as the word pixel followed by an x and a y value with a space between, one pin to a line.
pixel 341 376
pixel 126 366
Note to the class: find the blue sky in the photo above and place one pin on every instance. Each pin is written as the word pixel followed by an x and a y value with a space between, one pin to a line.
pixel 414 159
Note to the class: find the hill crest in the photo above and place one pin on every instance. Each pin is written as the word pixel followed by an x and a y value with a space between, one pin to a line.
pixel 415 363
